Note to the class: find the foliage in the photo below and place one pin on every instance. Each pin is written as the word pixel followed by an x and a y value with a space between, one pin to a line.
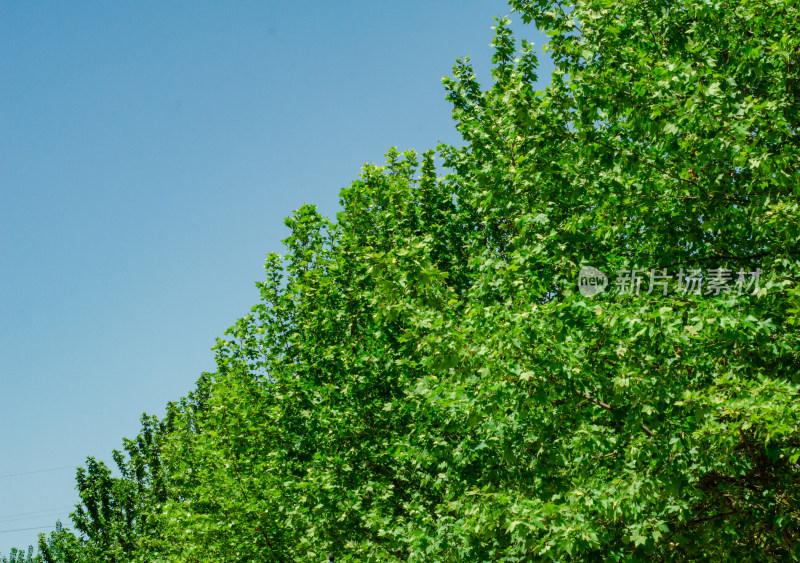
pixel 61 547
pixel 422 379
pixel 19 556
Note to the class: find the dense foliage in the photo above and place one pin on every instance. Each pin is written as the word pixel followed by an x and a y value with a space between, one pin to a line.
pixel 422 379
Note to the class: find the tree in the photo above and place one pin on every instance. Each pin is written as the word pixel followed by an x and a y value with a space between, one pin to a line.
pixel 61 547
pixel 19 556
pixel 423 379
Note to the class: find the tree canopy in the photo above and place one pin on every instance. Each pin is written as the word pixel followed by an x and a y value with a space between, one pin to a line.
pixel 424 380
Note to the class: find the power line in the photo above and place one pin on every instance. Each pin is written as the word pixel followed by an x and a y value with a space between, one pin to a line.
pixel 26 529
pixel 36 517
pixel 38 471
pixel 18 514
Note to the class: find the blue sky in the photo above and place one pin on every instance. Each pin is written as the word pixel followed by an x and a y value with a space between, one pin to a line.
pixel 149 152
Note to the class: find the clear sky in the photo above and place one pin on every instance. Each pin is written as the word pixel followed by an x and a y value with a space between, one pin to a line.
pixel 149 152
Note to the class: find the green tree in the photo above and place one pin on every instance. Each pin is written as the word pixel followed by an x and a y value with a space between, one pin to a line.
pixel 61 547
pixel 422 379
pixel 19 556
